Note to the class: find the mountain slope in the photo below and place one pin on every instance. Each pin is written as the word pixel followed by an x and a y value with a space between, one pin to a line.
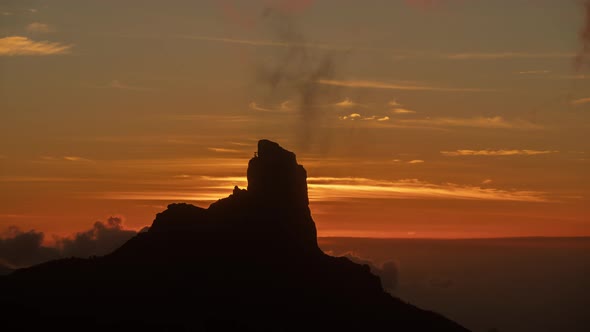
pixel 249 262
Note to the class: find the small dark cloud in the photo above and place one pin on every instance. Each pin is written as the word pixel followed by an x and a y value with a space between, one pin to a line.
pixel 441 283
pixel 21 249
pixel 103 238
pixel 388 272
pixel 4 270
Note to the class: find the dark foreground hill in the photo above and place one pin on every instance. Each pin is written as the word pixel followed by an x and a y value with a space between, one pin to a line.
pixel 250 262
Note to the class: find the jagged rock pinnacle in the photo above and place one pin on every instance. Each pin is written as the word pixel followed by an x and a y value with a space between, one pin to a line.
pixel 275 176
pixel 272 212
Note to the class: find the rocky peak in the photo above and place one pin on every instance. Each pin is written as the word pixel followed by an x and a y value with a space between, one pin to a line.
pixel 275 176
pixel 272 212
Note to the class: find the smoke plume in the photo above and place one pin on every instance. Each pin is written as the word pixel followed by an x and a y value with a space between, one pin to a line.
pixel 295 69
pixel 583 57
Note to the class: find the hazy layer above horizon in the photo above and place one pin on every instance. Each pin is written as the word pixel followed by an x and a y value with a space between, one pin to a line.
pixel 450 120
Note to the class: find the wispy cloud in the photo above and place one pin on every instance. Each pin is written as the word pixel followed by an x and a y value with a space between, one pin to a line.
pixel 500 55
pixel 347 103
pixel 335 188
pixel 17 45
pixel 457 153
pixel 534 72
pixel 402 111
pixel 268 43
pixel 573 77
pixel 228 118
pixel 346 188
pixel 352 116
pixel 224 150
pixel 416 161
pixel 255 107
pixel 66 158
pixel 357 116
pixel 282 108
pixel 478 122
pixel 116 84
pixel 393 86
pixel 37 27
pixel 581 101
pixel 24 178
pixel 76 159
pixel 507 55
pixel 176 195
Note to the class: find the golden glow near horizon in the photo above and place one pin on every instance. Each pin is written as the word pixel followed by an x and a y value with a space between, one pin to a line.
pixel 454 119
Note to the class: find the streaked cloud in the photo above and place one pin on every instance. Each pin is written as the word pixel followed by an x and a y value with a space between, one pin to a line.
pixel 339 188
pixel 477 122
pixel 76 159
pixel 398 56
pixel 268 43
pixel 507 55
pixel 37 27
pixel 347 103
pixel 393 103
pixel 581 101
pixel 214 118
pixel 487 181
pixel 574 77
pixel 65 158
pixel 24 178
pixel 116 84
pixel 176 195
pixel 457 153
pixel 286 106
pixel 402 111
pixel 534 72
pixel 442 123
pixel 416 161
pixel 393 86
pixel 357 116
pixel 224 150
pixel 328 188
pixel 282 108
pixel 17 45
pixel 255 107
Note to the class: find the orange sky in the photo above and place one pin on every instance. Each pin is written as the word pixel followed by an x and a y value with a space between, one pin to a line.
pixel 453 119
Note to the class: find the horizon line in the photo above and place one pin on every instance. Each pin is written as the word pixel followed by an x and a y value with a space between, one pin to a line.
pixel 536 237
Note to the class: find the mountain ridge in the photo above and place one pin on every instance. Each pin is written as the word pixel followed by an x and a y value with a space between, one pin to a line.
pixel 248 262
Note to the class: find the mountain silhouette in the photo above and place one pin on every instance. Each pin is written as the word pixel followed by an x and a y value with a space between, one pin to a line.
pixel 249 262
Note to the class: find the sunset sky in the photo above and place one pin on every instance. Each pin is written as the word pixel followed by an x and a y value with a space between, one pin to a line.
pixel 444 119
